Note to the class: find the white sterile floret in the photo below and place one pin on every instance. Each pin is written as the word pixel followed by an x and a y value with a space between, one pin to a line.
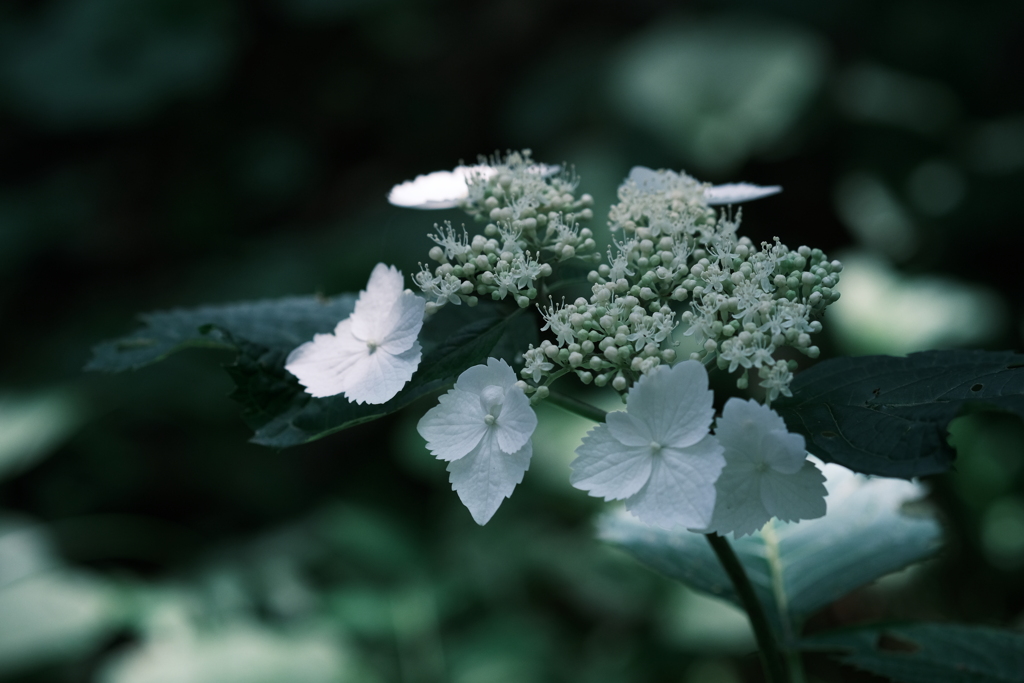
pixel 482 427
pixel 658 455
pixel 373 352
pixel 438 190
pixel 767 473
pixel 737 193
pixel 649 180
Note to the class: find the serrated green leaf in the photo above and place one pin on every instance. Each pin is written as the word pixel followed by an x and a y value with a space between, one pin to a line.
pixel 276 324
pixel 797 569
pixel 929 653
pixel 263 382
pixel 889 416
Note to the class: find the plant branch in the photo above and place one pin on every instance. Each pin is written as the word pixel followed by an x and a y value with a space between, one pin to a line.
pixel 577 407
pixel 771 657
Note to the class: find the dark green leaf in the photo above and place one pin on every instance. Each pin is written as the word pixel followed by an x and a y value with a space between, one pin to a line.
pixel 889 416
pixel 796 569
pixel 929 653
pixel 276 324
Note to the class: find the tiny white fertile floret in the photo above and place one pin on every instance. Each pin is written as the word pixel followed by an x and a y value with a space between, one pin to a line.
pixel 658 455
pixel 482 427
pixel 767 473
pixel 373 352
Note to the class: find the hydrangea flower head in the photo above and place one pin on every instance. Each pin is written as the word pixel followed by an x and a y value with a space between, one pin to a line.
pixel 372 353
pixel 658 455
pixel 767 473
pixel 482 427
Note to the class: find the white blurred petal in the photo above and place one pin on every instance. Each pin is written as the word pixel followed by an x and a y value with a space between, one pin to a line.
pixel 784 452
pixel 681 489
pixel 792 497
pixel 737 193
pixel 437 190
pixel 486 476
pixel 607 468
pixel 454 426
pixel 516 422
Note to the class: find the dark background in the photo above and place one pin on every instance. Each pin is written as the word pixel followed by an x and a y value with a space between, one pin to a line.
pixel 176 152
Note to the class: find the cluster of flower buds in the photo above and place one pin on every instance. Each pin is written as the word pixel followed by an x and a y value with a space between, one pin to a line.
pixel 745 303
pixel 533 219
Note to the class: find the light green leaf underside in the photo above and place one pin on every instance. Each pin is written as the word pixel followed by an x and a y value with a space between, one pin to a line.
pixel 797 569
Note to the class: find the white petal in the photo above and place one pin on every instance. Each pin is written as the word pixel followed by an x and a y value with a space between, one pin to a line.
pixel 738 506
pixel 785 452
pixel 487 476
pixel 516 422
pixel 380 376
pixel 325 365
pixel 792 497
pixel 453 427
pixel 608 469
pixel 736 193
pixel 497 373
pixel 681 490
pixel 628 429
pixel 385 285
pixel 403 324
pixel 675 403
pixel 386 313
pixel 437 190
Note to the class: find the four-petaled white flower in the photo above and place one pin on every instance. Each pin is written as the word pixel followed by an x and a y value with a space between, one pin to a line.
pixel 482 427
pixel 767 473
pixel 373 352
pixel 658 455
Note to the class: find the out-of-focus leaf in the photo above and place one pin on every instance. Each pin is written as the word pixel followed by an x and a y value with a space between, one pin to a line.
pixel 889 416
pixel 277 324
pixel 55 616
pixel 929 653
pixel 796 569
pixel 33 426
pixel 237 653
pixel 282 415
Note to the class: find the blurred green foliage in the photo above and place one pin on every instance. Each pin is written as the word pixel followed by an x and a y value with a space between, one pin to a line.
pixel 179 152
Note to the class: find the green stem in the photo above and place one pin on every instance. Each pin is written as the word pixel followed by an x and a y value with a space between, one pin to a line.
pixel 577 407
pixel 771 658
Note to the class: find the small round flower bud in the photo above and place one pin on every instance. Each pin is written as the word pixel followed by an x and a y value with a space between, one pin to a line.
pixel 437 254
pixel 668 355
pixel 575 359
pixel 585 377
pixel 619 383
pixel 710 345
pixel 523 301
